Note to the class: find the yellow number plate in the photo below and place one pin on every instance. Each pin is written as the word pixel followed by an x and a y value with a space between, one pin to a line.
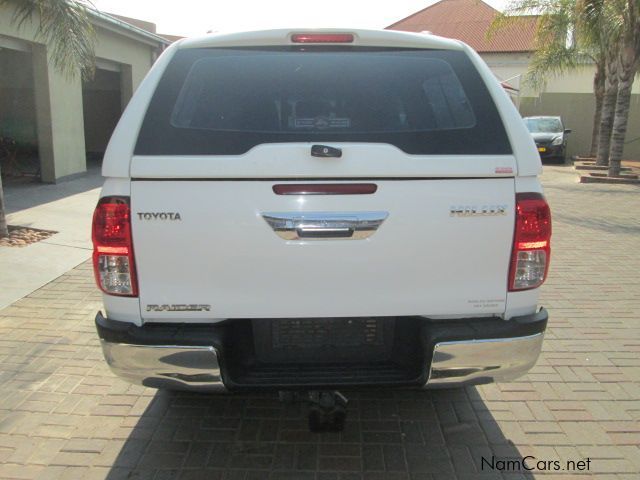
pixel 542 149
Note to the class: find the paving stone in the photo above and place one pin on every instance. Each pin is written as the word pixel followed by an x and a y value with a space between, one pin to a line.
pixel 372 457
pixel 341 464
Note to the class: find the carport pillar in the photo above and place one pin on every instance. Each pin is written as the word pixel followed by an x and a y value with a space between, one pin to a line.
pixel 59 120
pixel 126 85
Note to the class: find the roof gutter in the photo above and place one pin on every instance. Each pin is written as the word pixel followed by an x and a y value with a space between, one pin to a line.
pixel 118 26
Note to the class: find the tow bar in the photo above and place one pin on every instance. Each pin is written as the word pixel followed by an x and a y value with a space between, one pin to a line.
pixel 327 408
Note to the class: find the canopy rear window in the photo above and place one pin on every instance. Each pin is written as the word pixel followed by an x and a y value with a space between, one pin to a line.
pixel 226 101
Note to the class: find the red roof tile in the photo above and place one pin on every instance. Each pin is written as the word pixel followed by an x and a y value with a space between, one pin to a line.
pixel 148 26
pixel 143 24
pixel 171 38
pixel 469 21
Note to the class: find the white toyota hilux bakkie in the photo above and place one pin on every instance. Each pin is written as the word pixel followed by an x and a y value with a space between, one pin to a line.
pixel 307 210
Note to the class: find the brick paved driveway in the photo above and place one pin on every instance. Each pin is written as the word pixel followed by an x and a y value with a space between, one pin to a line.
pixel 63 415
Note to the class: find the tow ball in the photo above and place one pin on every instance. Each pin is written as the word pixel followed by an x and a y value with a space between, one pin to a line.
pixel 327 408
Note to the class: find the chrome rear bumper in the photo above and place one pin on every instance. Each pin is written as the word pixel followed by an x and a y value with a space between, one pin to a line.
pixel 165 366
pixel 483 361
pixel 197 368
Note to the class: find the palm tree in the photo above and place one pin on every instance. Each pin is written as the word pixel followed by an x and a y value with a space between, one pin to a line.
pixel 626 23
pixel 563 43
pixel 592 16
pixel 628 65
pixel 619 25
pixel 599 89
pixel 64 26
pixel 608 106
pixel 4 229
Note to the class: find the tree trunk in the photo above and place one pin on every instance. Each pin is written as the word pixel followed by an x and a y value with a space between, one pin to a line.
pixel 608 111
pixel 598 90
pixel 3 219
pixel 619 130
pixel 626 74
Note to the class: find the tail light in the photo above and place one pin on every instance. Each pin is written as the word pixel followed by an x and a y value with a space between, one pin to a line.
pixel 531 242
pixel 113 261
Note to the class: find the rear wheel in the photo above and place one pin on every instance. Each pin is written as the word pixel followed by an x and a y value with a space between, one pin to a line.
pixel 562 158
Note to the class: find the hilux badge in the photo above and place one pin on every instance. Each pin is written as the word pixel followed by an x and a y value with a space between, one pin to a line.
pixel 477 210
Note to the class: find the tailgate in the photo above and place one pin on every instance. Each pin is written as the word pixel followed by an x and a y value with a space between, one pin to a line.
pixel 226 125
pixel 434 252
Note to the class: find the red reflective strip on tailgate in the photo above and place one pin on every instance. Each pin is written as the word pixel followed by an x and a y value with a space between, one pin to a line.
pixel 325 189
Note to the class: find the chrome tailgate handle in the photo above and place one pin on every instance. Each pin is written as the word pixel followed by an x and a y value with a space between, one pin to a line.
pixel 324 225
pixel 312 231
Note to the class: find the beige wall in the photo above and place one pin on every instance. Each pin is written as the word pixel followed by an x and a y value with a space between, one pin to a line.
pixel 569 95
pixel 124 51
pixel 58 100
pixel 67 125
